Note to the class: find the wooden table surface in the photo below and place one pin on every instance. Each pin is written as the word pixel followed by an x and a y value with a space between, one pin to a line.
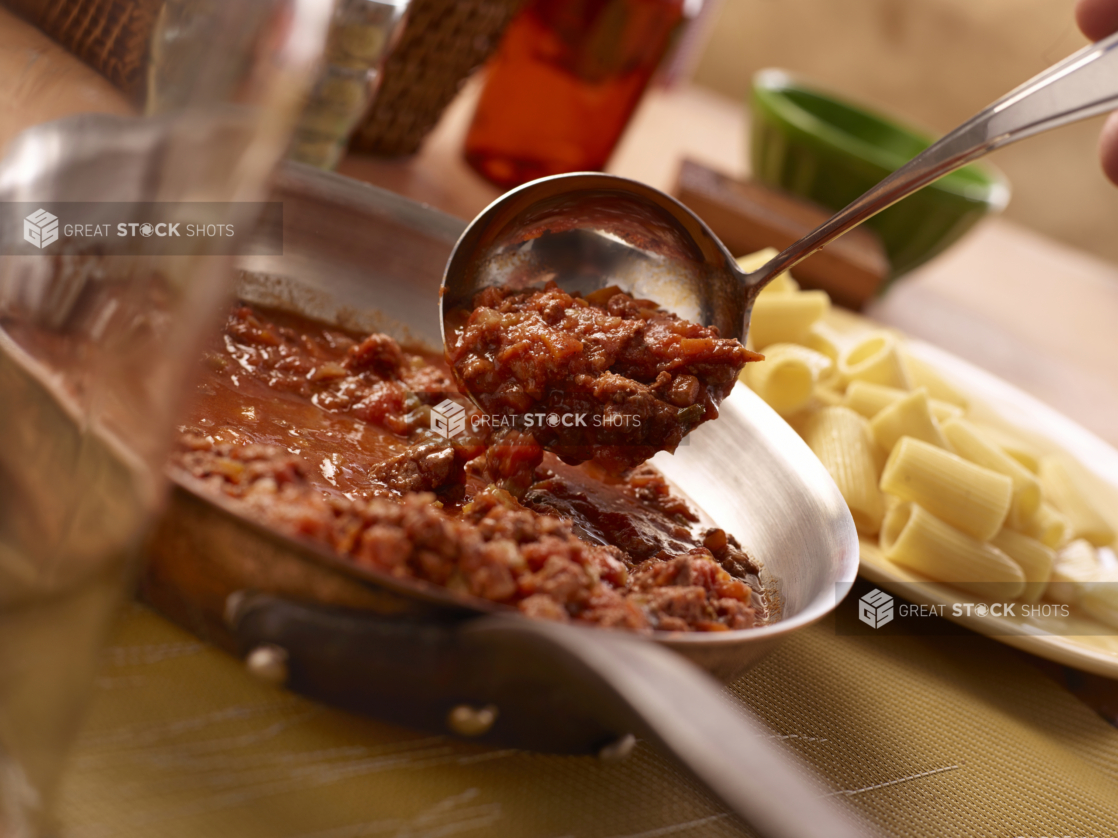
pixel 1035 312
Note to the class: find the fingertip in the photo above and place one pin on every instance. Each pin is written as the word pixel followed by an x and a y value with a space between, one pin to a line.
pixel 1097 18
pixel 1108 148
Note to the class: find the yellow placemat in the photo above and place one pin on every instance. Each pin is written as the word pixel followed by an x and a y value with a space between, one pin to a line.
pixel 937 736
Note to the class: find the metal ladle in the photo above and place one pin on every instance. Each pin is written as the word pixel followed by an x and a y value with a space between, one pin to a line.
pixel 590 230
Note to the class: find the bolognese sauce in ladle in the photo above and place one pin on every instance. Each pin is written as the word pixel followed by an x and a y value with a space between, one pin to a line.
pixel 605 377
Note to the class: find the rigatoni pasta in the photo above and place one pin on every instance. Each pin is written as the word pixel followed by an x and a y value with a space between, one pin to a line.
pixel 828 397
pixel 923 374
pixel 1047 526
pixel 909 416
pixel 876 359
pixel 870 399
pixel 968 497
pixel 1076 565
pixel 1020 450
pixel 949 495
pixel 781 284
pixel 1062 487
pixel 918 540
pixel 970 444
pixel 1099 598
pixel 786 318
pixel 840 438
pixel 944 411
pixel 825 340
pixel 786 378
pixel 1034 559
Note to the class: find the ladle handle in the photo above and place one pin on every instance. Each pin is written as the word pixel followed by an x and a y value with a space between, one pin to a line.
pixel 1084 84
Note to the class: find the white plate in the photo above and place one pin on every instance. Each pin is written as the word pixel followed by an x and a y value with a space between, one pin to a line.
pixel 996 402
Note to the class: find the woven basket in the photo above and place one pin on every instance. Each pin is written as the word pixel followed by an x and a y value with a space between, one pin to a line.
pixel 111 36
pixel 443 42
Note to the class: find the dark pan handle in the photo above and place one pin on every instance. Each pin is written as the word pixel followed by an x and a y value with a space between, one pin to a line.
pixel 535 684
pixel 418 672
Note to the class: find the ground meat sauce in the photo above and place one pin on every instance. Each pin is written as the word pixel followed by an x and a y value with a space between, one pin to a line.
pixel 605 377
pixel 328 436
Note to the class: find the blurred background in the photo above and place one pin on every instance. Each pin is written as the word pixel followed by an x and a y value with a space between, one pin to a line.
pixel 934 63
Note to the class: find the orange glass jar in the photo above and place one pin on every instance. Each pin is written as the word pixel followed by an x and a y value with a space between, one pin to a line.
pixel 563 84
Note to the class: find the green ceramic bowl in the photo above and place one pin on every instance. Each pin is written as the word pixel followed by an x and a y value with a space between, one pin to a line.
pixel 831 151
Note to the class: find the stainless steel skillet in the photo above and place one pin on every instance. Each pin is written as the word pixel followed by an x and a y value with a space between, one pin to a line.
pixel 417 655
